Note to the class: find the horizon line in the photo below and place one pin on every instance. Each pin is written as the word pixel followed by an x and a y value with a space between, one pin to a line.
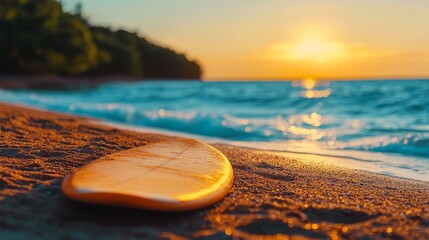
pixel 315 78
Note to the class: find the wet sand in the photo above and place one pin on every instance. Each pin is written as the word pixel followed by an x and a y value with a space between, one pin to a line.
pixel 273 197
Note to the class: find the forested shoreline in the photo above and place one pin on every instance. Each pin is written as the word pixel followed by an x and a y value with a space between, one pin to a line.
pixel 38 37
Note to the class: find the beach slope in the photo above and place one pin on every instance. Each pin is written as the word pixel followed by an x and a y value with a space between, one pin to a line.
pixel 272 197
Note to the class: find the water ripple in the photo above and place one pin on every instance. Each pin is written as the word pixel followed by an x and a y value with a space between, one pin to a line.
pixel 365 116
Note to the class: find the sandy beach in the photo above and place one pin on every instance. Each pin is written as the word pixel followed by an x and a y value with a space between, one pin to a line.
pixel 273 197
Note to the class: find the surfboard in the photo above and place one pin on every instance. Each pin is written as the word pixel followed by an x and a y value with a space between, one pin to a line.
pixel 175 175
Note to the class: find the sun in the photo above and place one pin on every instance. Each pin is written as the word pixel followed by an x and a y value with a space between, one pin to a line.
pixel 310 49
pixel 316 50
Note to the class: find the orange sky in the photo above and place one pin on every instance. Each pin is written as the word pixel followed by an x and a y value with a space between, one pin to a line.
pixel 282 39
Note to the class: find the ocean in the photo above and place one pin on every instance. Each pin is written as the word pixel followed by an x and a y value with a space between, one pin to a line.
pixel 378 126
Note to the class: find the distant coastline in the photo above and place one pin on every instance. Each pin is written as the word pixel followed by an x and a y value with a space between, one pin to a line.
pixel 54 82
pixel 44 46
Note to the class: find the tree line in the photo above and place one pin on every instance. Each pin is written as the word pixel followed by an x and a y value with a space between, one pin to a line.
pixel 38 37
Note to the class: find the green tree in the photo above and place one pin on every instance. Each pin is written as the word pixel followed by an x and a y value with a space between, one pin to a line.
pixel 159 62
pixel 36 36
pixel 117 53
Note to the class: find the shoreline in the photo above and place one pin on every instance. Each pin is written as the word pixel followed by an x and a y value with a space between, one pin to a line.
pixel 320 157
pixel 273 195
pixel 52 82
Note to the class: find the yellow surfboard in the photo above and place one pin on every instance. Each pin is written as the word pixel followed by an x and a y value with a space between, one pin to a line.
pixel 175 175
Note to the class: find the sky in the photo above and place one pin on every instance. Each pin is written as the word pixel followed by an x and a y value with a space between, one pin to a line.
pixel 281 39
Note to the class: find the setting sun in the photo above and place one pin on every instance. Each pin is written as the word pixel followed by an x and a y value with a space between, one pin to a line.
pixel 311 49
pixel 316 50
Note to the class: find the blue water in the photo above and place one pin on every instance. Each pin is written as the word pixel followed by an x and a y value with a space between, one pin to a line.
pixel 384 125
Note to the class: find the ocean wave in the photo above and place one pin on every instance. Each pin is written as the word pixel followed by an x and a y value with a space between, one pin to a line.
pixel 378 117
pixel 350 135
pixel 414 145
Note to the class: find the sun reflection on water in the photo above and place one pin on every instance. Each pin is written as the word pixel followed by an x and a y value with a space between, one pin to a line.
pixel 316 93
pixel 307 126
pixel 309 84
pixel 303 126
pixel 313 119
